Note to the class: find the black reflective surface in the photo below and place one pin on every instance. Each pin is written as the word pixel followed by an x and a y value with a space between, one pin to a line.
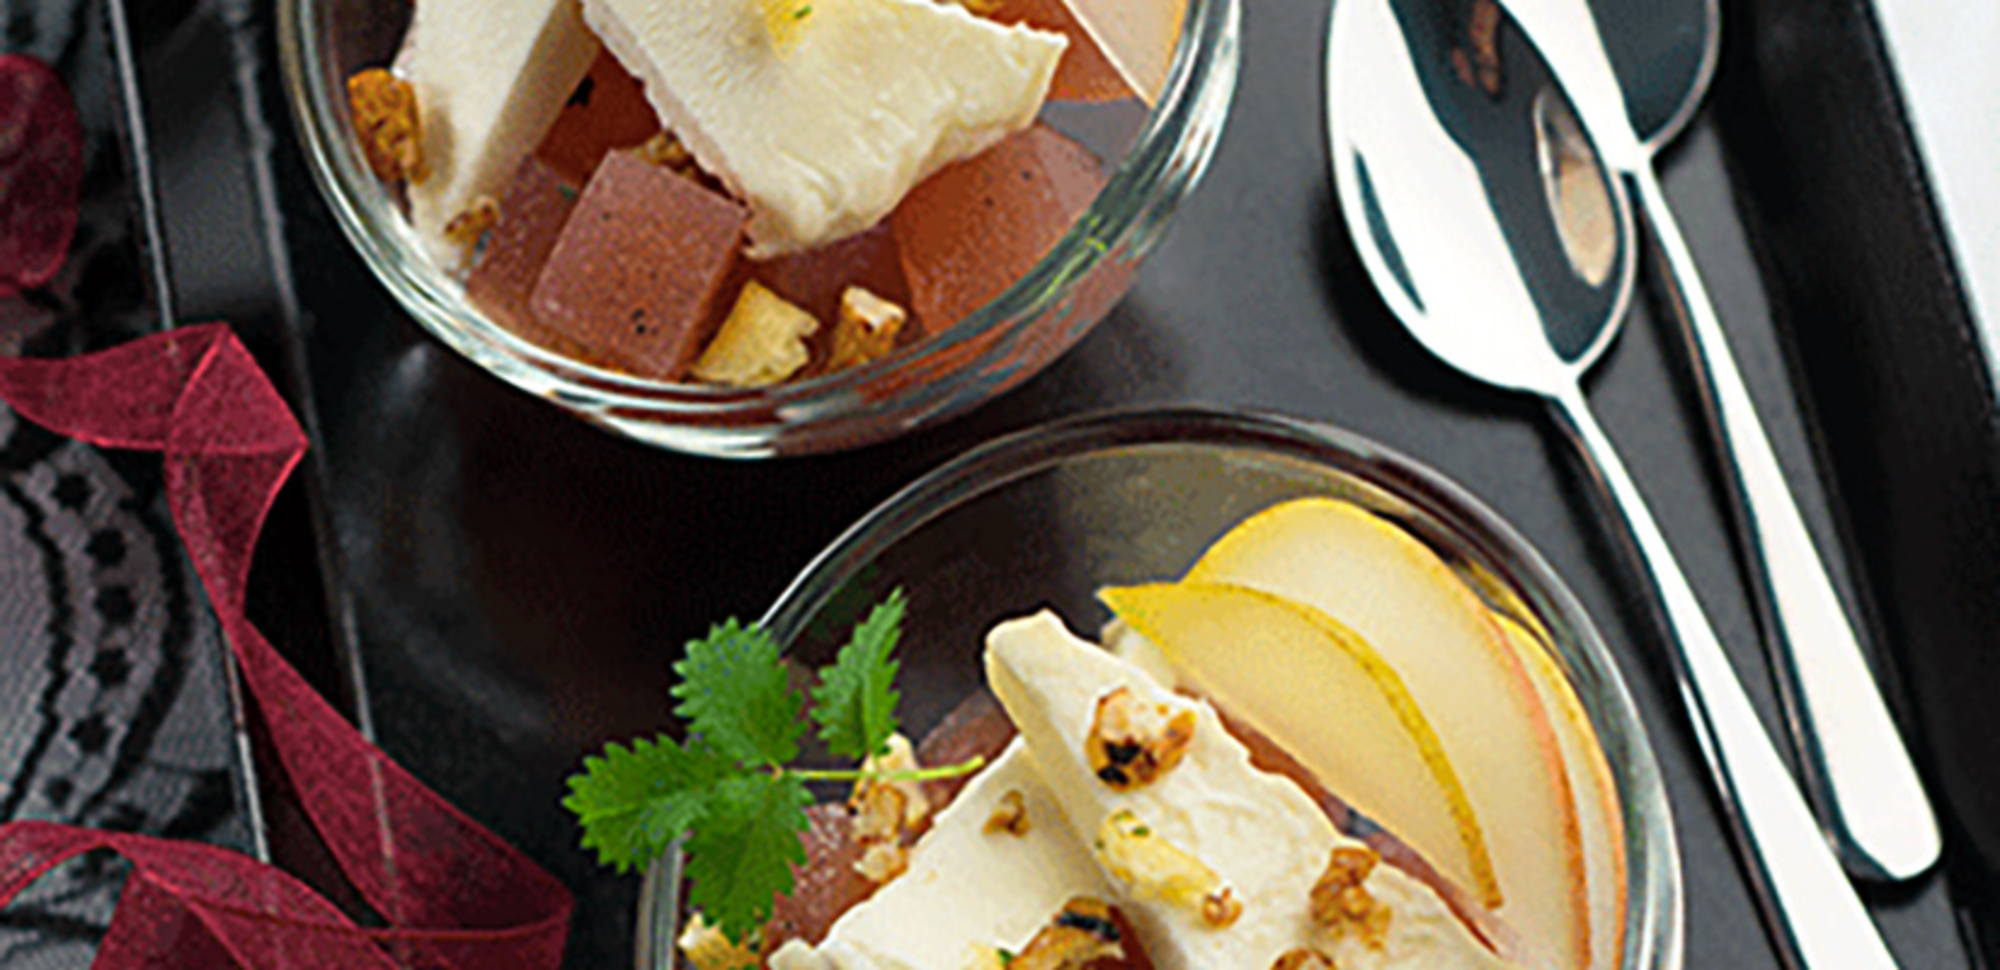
pixel 509 584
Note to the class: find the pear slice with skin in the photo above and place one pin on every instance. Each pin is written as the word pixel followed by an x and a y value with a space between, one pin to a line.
pixel 1293 673
pixel 1602 826
pixel 1407 603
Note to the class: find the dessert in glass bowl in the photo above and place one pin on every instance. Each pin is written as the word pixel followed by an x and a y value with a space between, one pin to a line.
pixel 1337 716
pixel 756 226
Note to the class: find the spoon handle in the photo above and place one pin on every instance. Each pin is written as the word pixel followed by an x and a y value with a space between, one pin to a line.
pixel 1812 909
pixel 1853 759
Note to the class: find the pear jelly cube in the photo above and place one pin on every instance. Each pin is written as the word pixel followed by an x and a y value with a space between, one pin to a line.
pixel 638 272
pixel 973 229
pixel 533 210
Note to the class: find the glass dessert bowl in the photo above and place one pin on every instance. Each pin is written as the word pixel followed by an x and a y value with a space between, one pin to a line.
pixel 979 305
pixel 1190 538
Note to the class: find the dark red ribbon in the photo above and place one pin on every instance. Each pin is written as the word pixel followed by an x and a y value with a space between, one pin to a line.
pixel 451 893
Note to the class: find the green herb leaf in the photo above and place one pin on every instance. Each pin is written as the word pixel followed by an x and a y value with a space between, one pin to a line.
pixel 740 857
pixel 634 802
pixel 855 702
pixel 735 696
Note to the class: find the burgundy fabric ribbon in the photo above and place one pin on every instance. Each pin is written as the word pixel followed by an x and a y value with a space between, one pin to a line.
pixel 451 893
pixel 447 892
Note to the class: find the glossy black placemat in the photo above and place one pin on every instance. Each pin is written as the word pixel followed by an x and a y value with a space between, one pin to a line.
pixel 511 584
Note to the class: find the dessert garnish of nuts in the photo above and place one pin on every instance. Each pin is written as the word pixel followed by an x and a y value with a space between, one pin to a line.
pixel 1010 816
pixel 386 120
pixel 1082 932
pixel 1341 901
pixel 1132 742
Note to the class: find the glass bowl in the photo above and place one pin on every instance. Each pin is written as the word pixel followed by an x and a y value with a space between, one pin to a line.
pixel 1048 516
pixel 322 42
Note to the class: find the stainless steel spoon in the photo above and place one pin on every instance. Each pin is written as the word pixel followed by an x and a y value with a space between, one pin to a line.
pixel 1646 64
pixel 1479 208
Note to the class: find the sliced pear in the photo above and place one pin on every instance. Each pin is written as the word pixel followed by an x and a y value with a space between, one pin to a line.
pixel 1138 37
pixel 1601 824
pixel 1293 673
pixel 1407 603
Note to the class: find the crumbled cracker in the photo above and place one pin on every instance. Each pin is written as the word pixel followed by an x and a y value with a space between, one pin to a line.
pixel 387 123
pixel 1132 742
pixel 866 329
pixel 762 342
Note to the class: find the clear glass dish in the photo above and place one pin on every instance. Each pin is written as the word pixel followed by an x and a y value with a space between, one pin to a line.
pixel 322 42
pixel 1048 516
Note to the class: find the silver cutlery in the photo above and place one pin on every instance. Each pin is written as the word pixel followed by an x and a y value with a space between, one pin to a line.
pixel 1646 65
pixel 1481 211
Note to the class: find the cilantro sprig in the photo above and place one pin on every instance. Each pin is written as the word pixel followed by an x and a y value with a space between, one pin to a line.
pixel 729 792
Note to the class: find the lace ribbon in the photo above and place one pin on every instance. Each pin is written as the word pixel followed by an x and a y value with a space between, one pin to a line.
pixel 451 893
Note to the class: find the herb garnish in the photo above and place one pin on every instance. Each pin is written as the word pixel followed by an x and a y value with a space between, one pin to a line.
pixel 730 789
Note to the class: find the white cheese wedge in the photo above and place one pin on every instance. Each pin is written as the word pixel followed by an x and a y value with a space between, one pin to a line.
pixel 966 888
pixel 1263 835
pixel 865 99
pixel 490 77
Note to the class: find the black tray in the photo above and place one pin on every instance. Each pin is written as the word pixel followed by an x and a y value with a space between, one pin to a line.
pixel 495 589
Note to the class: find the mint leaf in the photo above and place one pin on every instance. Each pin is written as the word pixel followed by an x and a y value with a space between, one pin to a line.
pixel 855 702
pixel 633 803
pixel 734 695
pixel 741 855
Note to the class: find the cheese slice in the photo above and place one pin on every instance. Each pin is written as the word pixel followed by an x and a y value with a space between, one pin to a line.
pixel 490 77
pixel 822 132
pixel 1259 832
pixel 966 888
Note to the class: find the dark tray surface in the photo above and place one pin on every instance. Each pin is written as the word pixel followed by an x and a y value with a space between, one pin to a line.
pixel 517 582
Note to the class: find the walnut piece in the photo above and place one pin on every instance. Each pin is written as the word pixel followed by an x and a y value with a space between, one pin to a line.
pixel 1132 743
pixel 1221 908
pixel 706 948
pixel 762 342
pixel 1341 902
pixel 886 813
pixel 666 151
pixel 1300 958
pixel 1010 816
pixel 466 228
pixel 1082 932
pixel 866 329
pixel 386 122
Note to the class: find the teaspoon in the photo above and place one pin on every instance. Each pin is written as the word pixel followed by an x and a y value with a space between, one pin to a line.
pixel 1639 68
pixel 1480 209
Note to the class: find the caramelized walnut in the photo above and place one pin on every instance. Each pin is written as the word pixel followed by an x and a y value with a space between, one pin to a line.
pixel 1153 868
pixel 1341 901
pixel 886 812
pixel 1083 931
pixel 1300 958
pixel 1010 816
pixel 1132 743
pixel 386 123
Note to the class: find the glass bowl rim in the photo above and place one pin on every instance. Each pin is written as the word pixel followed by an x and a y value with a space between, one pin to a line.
pixel 1165 159
pixel 1654 916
